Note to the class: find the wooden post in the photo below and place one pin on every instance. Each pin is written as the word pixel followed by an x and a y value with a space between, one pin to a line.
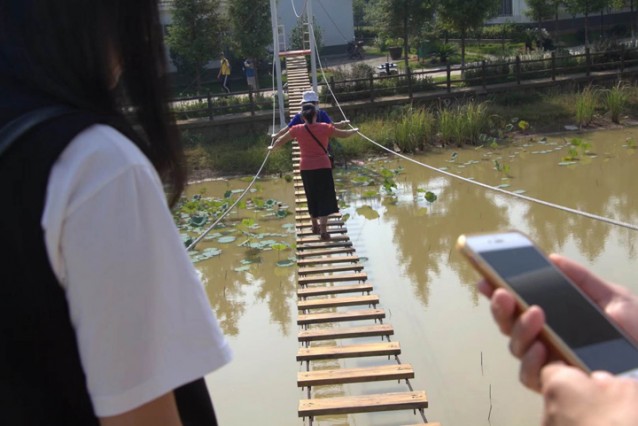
pixel 371 88
pixel 483 72
pixel 449 78
pixel 622 59
pixel 587 62
pixel 553 66
pixel 334 90
pixel 252 101
pixel 518 69
pixel 408 73
pixel 210 106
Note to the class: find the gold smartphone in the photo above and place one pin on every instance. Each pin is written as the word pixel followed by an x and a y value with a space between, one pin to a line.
pixel 576 328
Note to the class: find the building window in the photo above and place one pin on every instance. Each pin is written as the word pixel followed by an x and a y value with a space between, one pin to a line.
pixel 506 8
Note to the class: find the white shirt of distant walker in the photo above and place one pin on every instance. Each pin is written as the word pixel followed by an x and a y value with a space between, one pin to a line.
pixel 126 267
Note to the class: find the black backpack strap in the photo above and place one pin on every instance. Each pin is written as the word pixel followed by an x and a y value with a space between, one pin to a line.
pixel 315 138
pixel 18 127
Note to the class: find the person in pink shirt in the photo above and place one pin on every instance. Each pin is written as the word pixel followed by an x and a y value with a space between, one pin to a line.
pixel 315 166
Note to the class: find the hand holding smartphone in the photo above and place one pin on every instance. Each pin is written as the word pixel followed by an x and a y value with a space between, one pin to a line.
pixel 575 327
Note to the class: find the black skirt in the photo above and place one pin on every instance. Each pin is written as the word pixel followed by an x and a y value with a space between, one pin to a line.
pixel 320 192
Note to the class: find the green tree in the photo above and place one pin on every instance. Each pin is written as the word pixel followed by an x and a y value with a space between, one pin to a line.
pixel 405 19
pixel 358 12
pixel 586 7
pixel 193 38
pixel 539 10
pixel 464 16
pixel 251 28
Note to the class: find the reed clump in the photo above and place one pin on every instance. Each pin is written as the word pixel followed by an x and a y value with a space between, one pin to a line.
pixel 586 104
pixel 615 101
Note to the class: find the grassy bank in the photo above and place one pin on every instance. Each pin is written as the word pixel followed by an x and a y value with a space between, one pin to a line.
pixel 408 129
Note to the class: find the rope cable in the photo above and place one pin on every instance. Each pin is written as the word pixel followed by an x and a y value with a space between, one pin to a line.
pixel 294 9
pixel 474 182
pixel 248 188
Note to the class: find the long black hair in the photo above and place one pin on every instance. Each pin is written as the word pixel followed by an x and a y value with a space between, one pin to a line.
pixel 66 50
pixel 308 112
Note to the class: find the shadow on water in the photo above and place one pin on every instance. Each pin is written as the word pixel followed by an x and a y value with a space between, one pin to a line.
pixel 428 290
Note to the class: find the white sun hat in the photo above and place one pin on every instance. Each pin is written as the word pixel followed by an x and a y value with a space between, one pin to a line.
pixel 309 96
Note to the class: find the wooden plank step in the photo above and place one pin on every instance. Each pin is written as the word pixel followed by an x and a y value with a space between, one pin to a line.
pixel 335 302
pixel 334 289
pixel 315 239
pixel 355 375
pixel 426 424
pixel 329 269
pixel 320 245
pixel 327 260
pixel 349 351
pixel 354 315
pixel 307 218
pixel 313 253
pixel 336 278
pixel 363 404
pixel 345 332
pixel 334 222
pixel 332 230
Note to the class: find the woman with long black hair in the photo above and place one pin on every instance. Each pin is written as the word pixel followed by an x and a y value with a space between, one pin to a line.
pixel 315 166
pixel 103 319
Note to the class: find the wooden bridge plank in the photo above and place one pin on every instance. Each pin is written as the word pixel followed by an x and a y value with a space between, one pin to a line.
pixel 355 375
pixel 363 404
pixel 328 252
pixel 334 289
pixel 350 351
pixel 324 245
pixel 331 230
pixel 345 332
pixel 330 269
pixel 334 302
pixel 328 260
pixel 354 315
pixel 316 279
pixel 333 222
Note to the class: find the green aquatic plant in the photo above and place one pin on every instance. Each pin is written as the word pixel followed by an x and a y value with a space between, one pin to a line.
pixel 586 106
pixel 615 101
pixel 577 147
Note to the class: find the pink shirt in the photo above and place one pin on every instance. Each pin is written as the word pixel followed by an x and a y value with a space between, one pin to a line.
pixel 312 155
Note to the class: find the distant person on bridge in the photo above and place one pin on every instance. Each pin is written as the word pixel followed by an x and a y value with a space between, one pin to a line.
pixel 310 97
pixel 316 170
pixel 224 72
pixel 249 70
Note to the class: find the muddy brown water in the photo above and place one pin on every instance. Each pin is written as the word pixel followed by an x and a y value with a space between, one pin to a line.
pixel 443 324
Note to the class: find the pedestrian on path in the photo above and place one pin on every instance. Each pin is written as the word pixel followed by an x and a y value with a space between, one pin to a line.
pixel 249 70
pixel 224 73
pixel 315 166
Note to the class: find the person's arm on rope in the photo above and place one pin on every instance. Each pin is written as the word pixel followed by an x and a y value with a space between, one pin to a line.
pixel 343 124
pixel 280 133
pixel 286 137
pixel 344 133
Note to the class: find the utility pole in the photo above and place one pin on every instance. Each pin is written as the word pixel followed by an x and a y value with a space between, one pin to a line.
pixel 275 44
pixel 313 53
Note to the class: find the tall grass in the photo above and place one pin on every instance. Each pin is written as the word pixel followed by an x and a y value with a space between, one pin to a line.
pixel 615 101
pixel 586 106
pixel 414 130
pixel 463 123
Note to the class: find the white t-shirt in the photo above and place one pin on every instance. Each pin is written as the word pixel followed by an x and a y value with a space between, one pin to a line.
pixel 142 319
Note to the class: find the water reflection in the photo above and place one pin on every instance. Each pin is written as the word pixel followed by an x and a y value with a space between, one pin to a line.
pixel 444 326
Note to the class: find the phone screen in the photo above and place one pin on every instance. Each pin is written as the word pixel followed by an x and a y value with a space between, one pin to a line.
pixel 568 313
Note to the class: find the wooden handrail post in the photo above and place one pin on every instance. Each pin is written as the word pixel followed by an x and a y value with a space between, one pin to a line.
pixel 518 69
pixel 408 73
pixel 587 62
pixel 371 88
pixel 553 66
pixel 334 89
pixel 210 106
pixel 252 101
pixel 449 78
pixel 483 72
pixel 622 59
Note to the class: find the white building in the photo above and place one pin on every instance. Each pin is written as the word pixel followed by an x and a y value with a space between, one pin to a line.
pixel 511 11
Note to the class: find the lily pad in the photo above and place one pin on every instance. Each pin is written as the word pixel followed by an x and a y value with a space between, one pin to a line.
pixel 227 239
pixel 285 263
pixel 242 269
pixel 566 163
